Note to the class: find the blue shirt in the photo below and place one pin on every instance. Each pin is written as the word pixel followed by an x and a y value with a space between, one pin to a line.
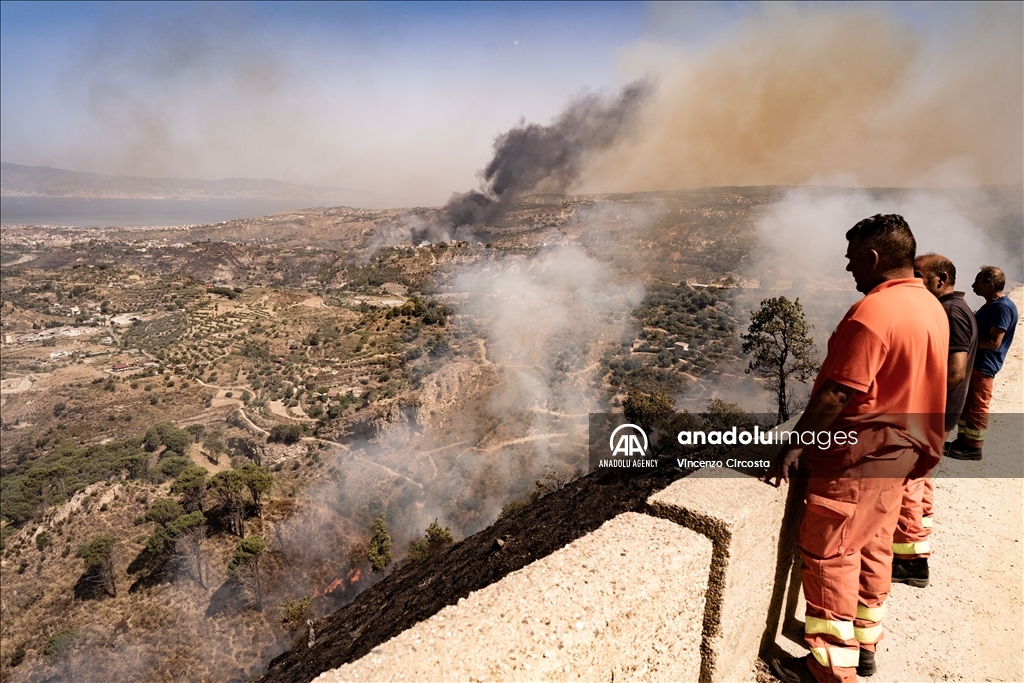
pixel 1000 313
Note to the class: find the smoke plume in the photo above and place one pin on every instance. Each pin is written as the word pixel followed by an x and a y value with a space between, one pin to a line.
pixel 839 94
pixel 534 158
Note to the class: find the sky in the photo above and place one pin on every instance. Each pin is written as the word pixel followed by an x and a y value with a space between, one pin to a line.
pixel 406 99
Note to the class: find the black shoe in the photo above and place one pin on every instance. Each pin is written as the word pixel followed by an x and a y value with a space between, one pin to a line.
pixel 793 670
pixel 913 572
pixel 866 667
pixel 959 451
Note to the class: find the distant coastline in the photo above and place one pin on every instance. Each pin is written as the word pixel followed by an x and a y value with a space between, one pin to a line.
pixel 17 180
pixel 124 213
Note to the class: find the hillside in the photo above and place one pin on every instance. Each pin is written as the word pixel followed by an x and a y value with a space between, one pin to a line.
pixel 373 368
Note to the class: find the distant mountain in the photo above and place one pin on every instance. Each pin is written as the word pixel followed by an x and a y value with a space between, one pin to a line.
pixel 42 181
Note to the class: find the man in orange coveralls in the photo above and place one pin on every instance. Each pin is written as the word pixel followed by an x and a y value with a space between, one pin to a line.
pixel 884 379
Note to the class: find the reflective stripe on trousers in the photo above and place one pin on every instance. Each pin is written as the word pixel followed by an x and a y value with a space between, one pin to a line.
pixel 871 613
pixel 969 433
pixel 843 630
pixel 919 548
pixel 839 656
pixel 867 628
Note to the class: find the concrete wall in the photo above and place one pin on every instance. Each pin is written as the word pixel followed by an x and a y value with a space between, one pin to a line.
pixel 622 603
pixel 742 517
pixel 692 590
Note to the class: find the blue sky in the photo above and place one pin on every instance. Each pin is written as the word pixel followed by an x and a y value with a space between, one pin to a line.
pixel 399 98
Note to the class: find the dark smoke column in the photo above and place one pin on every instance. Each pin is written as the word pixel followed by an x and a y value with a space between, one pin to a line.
pixel 532 157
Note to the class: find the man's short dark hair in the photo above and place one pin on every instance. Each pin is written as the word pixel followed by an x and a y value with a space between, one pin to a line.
pixel 993 276
pixel 889 235
pixel 940 264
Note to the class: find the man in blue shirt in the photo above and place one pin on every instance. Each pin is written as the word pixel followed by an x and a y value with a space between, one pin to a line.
pixel 997 320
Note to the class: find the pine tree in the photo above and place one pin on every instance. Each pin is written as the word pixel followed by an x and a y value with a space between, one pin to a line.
pixel 779 339
pixel 379 552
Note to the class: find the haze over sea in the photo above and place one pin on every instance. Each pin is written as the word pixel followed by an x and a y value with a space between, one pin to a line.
pixel 96 213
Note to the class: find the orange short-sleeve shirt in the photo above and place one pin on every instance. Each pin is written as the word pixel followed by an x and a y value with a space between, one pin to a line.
pixel 892 349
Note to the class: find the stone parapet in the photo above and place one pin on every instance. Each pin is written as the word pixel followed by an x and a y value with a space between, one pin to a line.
pixel 742 517
pixel 621 603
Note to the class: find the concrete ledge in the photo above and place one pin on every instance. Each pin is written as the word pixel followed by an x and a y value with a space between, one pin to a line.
pixel 618 604
pixel 743 518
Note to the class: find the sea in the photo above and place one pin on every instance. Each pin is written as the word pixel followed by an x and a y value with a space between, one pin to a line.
pixel 123 213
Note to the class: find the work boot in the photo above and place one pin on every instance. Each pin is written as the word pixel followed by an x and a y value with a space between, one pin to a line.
pixel 866 667
pixel 961 451
pixel 913 572
pixel 793 670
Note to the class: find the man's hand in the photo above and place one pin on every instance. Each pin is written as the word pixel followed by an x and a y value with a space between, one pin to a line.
pixel 824 405
pixel 786 459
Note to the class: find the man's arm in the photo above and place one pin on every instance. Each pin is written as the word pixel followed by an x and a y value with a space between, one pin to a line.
pixel 992 339
pixel 956 370
pixel 822 410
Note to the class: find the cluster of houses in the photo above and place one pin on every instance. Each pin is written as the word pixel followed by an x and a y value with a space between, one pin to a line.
pixel 137 364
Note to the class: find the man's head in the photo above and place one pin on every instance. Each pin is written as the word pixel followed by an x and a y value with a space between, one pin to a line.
pixel 881 248
pixel 937 272
pixel 989 283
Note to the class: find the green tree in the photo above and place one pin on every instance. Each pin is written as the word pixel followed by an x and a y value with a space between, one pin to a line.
pixel 649 410
pixel 57 651
pixel 191 486
pixel 437 539
pixel 721 415
pixel 188 533
pixel 783 351
pixel 214 445
pixel 229 487
pixel 259 481
pixel 98 555
pixel 174 465
pixel 245 567
pixel 196 430
pixel 285 433
pixel 165 433
pixel 164 511
pixel 294 612
pixel 379 551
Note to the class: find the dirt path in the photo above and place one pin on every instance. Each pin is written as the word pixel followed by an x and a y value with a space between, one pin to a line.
pixel 314 439
pixel 252 424
pixel 524 439
pixel 481 346
pixel 386 469
pixel 278 408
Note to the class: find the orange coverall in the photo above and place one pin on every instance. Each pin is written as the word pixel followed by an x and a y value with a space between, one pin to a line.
pixel 891 349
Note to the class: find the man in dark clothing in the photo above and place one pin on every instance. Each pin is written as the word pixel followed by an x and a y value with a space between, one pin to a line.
pixel 910 545
pixel 997 320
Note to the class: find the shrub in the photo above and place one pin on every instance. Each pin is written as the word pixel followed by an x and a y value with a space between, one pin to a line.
pixel 437 539
pixel 294 612
pixel 288 434
pixel 379 550
pixel 59 644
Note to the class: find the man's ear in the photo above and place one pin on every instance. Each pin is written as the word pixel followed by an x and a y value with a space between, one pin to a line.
pixel 873 258
pixel 943 277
